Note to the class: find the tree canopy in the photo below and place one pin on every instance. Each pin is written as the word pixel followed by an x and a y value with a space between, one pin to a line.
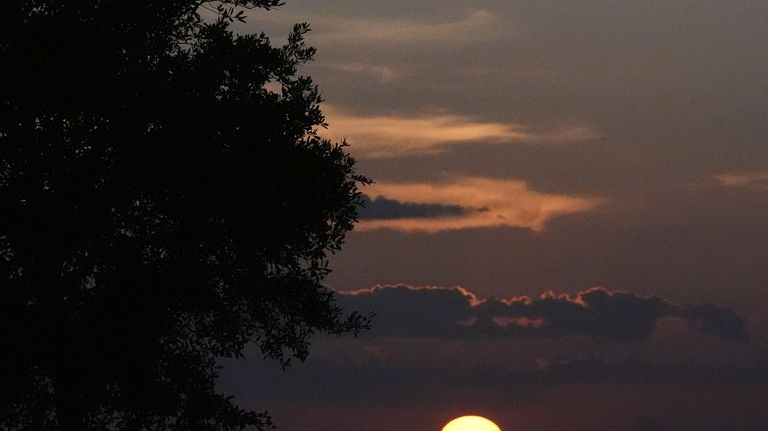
pixel 165 200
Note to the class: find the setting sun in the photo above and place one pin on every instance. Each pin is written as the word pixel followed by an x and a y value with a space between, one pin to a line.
pixel 471 423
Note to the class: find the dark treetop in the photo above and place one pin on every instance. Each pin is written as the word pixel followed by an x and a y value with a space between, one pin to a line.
pixel 160 209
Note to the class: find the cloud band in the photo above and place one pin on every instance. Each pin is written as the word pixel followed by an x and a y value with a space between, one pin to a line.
pixel 597 313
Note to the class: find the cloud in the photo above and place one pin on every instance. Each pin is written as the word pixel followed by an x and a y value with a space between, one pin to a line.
pixel 684 243
pixel 375 136
pixel 392 135
pixel 379 208
pixel 577 394
pixel 597 313
pixel 363 30
pixel 475 26
pixel 380 72
pixel 485 202
pixel 337 380
pixel 755 179
pixel 595 369
pixel 713 320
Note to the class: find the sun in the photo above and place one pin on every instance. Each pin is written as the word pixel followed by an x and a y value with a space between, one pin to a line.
pixel 471 423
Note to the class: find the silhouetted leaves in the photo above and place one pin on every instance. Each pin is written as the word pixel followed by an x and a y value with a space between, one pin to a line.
pixel 160 208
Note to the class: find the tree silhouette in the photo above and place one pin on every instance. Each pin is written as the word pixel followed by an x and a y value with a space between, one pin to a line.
pixel 161 208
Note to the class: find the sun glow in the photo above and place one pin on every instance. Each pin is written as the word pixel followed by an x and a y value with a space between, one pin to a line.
pixel 471 423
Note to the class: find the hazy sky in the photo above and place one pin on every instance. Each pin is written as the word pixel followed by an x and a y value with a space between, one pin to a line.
pixel 525 147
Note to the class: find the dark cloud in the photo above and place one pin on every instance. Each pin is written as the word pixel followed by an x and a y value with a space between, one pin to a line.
pixel 334 380
pixel 623 389
pixel 714 320
pixel 381 207
pixel 628 370
pixel 414 312
pixel 597 313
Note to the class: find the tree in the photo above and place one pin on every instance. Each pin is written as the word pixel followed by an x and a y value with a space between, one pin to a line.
pixel 161 209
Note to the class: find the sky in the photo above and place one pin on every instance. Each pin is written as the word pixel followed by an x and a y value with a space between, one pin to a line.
pixel 567 228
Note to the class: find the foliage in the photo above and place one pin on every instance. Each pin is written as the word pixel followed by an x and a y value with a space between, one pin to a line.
pixel 161 208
